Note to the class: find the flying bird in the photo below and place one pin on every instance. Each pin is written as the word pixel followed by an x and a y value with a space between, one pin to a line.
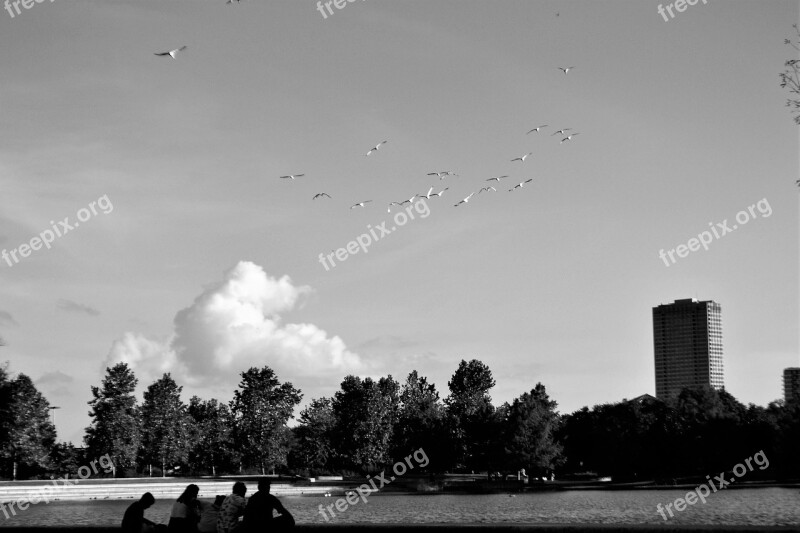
pixel 561 131
pixel 497 178
pixel 439 194
pixel 536 129
pixel 171 53
pixel 427 195
pixel 465 200
pixel 360 204
pixel 565 70
pixel 292 176
pixel 410 199
pixel 376 147
pixel 389 209
pixel 320 195
pixel 520 185
pixel 569 137
pixel 442 175
pixel 487 189
pixel 522 158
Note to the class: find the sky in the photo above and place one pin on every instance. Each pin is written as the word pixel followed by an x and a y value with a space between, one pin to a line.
pixel 175 246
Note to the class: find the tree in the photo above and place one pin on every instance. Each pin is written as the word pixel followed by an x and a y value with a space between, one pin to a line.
pixel 471 415
pixel 28 431
pixel 366 412
pixel 261 407
pixel 115 428
pixel 314 448
pixel 421 423
pixel 791 76
pixel 213 444
pixel 166 435
pixel 530 426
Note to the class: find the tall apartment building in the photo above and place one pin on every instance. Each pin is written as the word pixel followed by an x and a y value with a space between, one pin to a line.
pixel 687 337
pixel 791 384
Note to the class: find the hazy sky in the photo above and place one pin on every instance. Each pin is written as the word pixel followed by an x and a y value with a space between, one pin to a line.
pixel 201 261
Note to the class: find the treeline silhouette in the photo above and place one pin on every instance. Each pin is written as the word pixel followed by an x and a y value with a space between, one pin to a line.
pixel 370 424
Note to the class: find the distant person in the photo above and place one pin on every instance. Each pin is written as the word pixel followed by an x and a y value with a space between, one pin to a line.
pixel 258 515
pixel 134 521
pixel 185 511
pixel 232 508
pixel 209 515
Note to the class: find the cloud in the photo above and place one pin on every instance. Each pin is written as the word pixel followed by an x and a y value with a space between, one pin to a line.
pixel 54 378
pixel 233 325
pixel 6 319
pixel 73 307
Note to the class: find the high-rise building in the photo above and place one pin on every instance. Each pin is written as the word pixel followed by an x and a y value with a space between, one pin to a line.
pixel 791 384
pixel 687 337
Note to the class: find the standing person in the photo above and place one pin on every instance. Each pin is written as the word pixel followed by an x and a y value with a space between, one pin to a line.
pixel 209 515
pixel 134 521
pixel 185 511
pixel 258 515
pixel 232 508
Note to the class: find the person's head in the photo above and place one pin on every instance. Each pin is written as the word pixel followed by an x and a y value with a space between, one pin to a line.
pixel 240 489
pixel 147 500
pixel 218 500
pixel 264 484
pixel 190 494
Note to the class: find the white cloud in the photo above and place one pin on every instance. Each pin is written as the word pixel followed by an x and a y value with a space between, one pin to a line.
pixel 233 325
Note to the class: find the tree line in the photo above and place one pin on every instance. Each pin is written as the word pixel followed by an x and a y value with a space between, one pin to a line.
pixel 370 424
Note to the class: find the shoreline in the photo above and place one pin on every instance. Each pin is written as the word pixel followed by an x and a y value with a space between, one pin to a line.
pixel 457 528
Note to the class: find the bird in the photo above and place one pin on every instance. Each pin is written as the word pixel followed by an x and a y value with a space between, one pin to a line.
pixel 171 53
pixel 487 189
pixel 442 175
pixel 496 178
pixel 536 129
pixel 360 204
pixel 292 176
pixel 520 185
pixel 427 195
pixel 439 194
pixel 569 137
pixel 561 131
pixel 522 158
pixel 465 200
pixel 410 199
pixel 389 209
pixel 565 70
pixel 376 147
pixel 321 194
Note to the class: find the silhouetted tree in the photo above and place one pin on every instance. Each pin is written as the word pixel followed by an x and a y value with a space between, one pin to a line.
pixel 261 407
pixel 530 426
pixel 213 443
pixel 29 433
pixel 115 429
pixel 166 430
pixel 471 415
pixel 314 449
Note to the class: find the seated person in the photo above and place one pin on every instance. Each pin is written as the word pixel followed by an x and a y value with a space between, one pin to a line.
pixel 258 515
pixel 232 508
pixel 185 513
pixel 134 521
pixel 209 513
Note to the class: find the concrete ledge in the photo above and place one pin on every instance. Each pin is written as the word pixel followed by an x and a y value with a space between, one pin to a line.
pixel 461 528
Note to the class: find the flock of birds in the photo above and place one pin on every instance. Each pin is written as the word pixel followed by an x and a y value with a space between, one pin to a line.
pixel 566 133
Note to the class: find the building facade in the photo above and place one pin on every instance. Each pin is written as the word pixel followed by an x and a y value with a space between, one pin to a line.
pixel 791 384
pixel 687 337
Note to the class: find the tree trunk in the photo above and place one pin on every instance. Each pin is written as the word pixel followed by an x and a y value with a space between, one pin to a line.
pixel 213 470
pixel 262 468
pixel 150 466
pixel 163 468
pixel 14 473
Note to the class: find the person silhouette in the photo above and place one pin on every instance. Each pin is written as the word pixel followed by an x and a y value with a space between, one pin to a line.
pixel 258 514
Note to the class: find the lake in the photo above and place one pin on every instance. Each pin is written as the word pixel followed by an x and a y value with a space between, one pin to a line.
pixel 766 506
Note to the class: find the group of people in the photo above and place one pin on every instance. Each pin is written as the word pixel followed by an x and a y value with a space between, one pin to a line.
pixel 228 514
